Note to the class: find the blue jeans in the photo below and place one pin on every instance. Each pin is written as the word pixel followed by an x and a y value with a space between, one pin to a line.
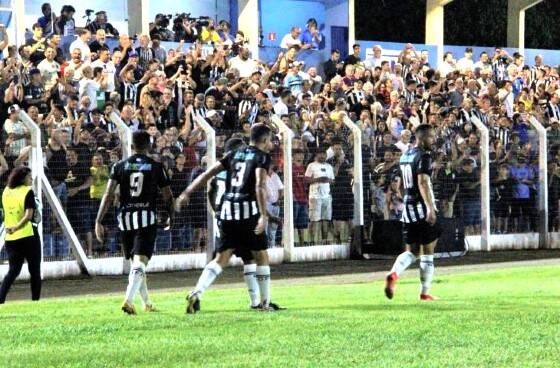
pixel 271 230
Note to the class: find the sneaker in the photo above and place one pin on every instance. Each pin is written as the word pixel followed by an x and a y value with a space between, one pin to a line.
pixel 390 285
pixel 427 297
pixel 256 307
pixel 128 308
pixel 271 307
pixel 193 303
pixel 149 307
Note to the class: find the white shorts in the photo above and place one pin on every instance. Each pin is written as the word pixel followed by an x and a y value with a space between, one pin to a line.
pixel 320 209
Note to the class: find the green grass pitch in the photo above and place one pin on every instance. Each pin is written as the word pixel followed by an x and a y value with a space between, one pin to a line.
pixel 506 318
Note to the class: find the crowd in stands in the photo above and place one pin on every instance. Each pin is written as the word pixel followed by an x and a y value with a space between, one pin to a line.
pixel 164 91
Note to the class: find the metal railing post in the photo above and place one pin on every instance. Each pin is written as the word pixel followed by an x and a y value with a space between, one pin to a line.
pixel 543 182
pixel 288 226
pixel 484 184
pixel 357 172
pixel 211 153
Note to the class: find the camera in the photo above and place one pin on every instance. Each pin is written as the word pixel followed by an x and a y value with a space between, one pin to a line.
pixel 162 20
pixel 202 21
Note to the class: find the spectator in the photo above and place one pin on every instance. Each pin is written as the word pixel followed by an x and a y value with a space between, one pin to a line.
pixel 354 58
pixel 82 43
pixel 145 53
pixel 100 22
pixel 65 25
pixel 209 33
pixel 48 18
pixel 274 190
pixel 99 42
pixel 301 207
pixel 34 93
pixel 342 196
pixel 78 181
pixel 197 208
pixel 291 38
pixel 312 37
pixel 466 61
pixel 522 177
pixel 333 66
pixel 225 32
pixel 469 196
pixel 319 175
pixel 49 69
pixel 37 44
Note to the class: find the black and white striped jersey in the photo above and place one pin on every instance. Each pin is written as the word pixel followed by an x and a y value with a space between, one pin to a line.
pixel 139 178
pixel 240 198
pixel 218 185
pixel 414 162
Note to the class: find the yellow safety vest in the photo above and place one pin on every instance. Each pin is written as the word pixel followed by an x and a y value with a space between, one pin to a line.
pixel 13 201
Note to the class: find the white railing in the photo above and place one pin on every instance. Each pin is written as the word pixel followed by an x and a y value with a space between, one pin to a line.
pixel 484 184
pixel 210 134
pixel 288 228
pixel 543 183
pixel 357 171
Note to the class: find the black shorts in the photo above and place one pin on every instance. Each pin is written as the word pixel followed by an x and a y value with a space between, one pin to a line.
pixel 421 233
pixel 140 242
pixel 240 236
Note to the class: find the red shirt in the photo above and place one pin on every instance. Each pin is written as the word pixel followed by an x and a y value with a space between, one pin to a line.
pixel 298 185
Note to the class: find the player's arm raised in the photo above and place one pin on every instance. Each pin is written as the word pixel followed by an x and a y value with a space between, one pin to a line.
pixel 261 199
pixel 197 183
pixel 106 201
pixel 425 191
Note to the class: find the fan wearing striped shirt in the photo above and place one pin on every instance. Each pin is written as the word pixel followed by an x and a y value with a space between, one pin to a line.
pixel 421 229
pixel 139 178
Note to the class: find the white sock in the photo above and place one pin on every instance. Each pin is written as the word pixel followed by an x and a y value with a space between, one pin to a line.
pixel 134 280
pixel 263 279
pixel 426 273
pixel 144 291
pixel 403 261
pixel 211 271
pixel 249 274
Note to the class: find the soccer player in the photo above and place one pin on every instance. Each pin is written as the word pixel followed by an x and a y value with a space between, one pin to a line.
pixel 139 178
pixel 215 196
pixel 243 215
pixel 421 228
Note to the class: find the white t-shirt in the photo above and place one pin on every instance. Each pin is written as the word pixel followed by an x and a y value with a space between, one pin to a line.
pixel 288 39
pixel 465 63
pixel 280 108
pixel 111 71
pixel 273 185
pixel 49 72
pixel 245 67
pixel 84 47
pixel 89 87
pixel 318 170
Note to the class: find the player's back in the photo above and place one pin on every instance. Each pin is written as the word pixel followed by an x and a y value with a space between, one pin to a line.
pixel 240 199
pixel 139 177
pixel 414 162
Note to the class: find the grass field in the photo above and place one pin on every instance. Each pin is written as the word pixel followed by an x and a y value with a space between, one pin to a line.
pixel 507 318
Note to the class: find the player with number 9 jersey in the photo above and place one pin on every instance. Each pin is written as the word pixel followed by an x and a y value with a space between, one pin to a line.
pixel 139 178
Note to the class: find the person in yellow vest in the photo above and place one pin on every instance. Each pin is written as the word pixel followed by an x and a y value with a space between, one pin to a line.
pixel 22 238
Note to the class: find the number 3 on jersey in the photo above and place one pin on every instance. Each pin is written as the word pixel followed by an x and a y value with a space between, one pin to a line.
pixel 408 180
pixel 237 179
pixel 136 182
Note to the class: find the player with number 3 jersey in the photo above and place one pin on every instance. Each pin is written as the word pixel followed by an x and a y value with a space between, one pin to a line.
pixel 139 178
pixel 421 228
pixel 243 216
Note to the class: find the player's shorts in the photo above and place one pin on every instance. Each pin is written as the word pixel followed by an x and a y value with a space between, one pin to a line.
pixel 421 233
pixel 320 209
pixel 140 242
pixel 240 236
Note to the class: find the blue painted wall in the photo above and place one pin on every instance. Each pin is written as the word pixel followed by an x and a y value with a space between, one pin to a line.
pixel 281 15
